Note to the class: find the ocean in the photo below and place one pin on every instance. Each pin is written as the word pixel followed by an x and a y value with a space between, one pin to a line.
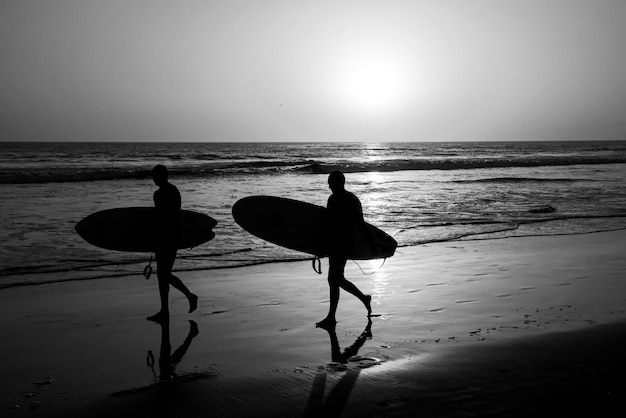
pixel 417 192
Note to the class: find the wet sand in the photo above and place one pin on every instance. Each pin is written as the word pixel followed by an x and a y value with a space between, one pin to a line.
pixel 507 327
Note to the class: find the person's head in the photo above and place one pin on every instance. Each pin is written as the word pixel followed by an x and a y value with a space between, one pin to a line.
pixel 159 175
pixel 336 181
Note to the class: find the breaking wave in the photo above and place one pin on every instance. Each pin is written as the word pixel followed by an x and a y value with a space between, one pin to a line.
pixel 190 169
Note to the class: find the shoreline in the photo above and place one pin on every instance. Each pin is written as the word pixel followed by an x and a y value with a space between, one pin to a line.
pixel 501 235
pixel 456 325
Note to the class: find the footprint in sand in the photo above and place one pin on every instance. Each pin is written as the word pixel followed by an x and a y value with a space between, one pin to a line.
pixel 393 402
pixel 216 312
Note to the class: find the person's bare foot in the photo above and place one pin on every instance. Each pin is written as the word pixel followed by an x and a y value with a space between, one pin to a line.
pixel 193 303
pixel 326 323
pixel 159 317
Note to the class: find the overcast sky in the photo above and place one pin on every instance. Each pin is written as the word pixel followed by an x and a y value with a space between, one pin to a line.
pixel 289 70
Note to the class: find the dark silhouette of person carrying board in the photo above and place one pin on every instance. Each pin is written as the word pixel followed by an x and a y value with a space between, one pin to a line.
pixel 167 202
pixel 344 210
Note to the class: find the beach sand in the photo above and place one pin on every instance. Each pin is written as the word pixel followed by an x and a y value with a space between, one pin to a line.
pixel 504 327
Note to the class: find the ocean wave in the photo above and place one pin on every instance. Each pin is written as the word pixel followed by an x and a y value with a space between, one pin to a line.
pixel 454 164
pixel 521 180
pixel 193 168
pixel 120 172
pixel 67 175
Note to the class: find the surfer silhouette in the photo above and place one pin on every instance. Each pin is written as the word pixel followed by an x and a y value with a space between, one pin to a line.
pixel 167 202
pixel 344 211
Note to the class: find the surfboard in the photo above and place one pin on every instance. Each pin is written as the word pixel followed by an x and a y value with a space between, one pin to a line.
pixel 298 225
pixel 133 229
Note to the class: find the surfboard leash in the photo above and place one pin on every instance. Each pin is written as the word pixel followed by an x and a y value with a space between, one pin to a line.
pixel 317 265
pixel 147 271
pixel 372 273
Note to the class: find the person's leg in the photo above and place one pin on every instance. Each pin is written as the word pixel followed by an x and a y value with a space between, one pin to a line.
pixel 351 288
pixel 335 275
pixel 165 261
pixel 192 298
pixel 176 283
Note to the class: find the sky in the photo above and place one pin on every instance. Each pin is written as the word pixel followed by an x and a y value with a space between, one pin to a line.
pixel 292 70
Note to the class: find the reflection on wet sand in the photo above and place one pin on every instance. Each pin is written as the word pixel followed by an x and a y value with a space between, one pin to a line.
pixel 167 359
pixel 336 400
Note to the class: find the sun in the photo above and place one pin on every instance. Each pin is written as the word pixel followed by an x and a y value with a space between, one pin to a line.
pixel 370 81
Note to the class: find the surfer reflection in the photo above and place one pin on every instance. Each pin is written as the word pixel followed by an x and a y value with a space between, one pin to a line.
pixel 344 211
pixel 167 202
pixel 335 402
pixel 335 351
pixel 167 359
